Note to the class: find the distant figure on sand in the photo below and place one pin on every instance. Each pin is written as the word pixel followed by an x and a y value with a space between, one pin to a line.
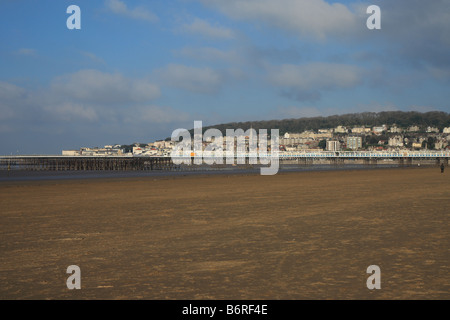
pixel 442 168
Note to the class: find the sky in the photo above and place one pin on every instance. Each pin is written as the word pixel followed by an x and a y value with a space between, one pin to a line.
pixel 138 70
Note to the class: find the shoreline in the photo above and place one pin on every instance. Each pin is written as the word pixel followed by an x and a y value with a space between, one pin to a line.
pixel 28 175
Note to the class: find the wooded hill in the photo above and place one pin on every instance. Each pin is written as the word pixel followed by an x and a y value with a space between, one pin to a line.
pixel 402 119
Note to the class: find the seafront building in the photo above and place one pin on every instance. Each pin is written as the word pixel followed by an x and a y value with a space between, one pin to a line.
pixel 106 151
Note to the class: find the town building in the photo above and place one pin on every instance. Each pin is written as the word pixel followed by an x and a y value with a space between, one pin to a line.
pixel 340 129
pixel 432 130
pixel 361 130
pixel 379 130
pixel 441 144
pixel 395 129
pixel 71 153
pixel 396 141
pixel 333 145
pixel 354 143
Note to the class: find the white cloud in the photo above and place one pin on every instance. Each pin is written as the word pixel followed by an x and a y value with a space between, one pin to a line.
pixel 440 73
pixel 305 82
pixel 69 111
pixel 6 112
pixel 88 99
pixel 321 74
pixel 12 99
pixel 138 13
pixel 204 28
pixel 18 105
pixel 10 92
pixel 5 128
pixel 92 57
pixel 83 96
pixel 157 114
pixel 26 52
pixel 316 18
pixel 210 54
pixel 198 80
pixel 97 87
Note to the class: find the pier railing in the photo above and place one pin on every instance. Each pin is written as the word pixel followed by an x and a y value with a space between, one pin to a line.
pixel 367 154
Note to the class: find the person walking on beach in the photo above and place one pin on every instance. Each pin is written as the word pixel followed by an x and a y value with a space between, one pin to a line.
pixel 442 168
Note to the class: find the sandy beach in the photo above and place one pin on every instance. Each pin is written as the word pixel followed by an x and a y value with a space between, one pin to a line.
pixel 304 235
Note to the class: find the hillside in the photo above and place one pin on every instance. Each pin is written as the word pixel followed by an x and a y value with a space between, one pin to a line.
pixel 437 119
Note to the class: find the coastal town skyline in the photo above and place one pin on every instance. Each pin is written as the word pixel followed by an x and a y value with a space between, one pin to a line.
pixel 137 70
pixel 341 138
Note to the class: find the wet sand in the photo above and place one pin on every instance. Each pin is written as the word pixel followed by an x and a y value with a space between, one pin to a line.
pixel 305 235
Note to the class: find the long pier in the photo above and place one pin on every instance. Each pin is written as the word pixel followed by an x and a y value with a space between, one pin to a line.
pixel 134 163
pixel 84 163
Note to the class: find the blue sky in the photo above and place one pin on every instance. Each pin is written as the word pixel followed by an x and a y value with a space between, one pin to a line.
pixel 137 70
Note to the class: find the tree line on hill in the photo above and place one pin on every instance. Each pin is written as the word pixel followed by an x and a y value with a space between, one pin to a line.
pixel 438 119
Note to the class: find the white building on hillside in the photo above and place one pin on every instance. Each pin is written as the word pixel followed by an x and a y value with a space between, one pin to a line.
pixel 333 146
pixel 396 141
pixel 395 129
pixel 354 143
pixel 340 129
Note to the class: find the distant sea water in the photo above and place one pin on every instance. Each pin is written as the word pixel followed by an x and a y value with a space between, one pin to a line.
pixel 24 175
